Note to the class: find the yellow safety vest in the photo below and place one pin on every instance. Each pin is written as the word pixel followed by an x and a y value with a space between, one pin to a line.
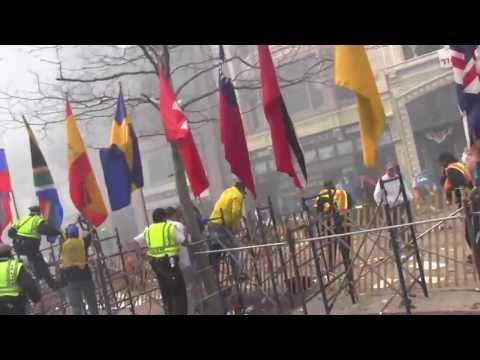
pixel 161 240
pixel 340 199
pixel 73 253
pixel 28 226
pixel 460 167
pixel 9 270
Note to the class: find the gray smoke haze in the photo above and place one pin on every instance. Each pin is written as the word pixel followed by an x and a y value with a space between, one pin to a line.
pixel 16 76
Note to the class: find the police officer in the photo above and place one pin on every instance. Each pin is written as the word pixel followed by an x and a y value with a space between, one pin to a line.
pixel 16 284
pixel 26 234
pixel 76 272
pixel 163 241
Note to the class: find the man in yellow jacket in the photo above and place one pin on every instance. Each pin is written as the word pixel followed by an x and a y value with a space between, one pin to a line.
pixel 225 220
pixel 228 209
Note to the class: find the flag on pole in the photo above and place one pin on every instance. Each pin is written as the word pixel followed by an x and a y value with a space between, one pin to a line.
pixel 84 190
pixel 353 71
pixel 177 131
pixel 466 75
pixel 50 206
pixel 284 138
pixel 5 189
pixel 122 165
pixel 232 133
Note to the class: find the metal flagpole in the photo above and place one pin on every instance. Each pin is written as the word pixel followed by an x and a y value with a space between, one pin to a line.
pixel 14 204
pixel 144 207
pixel 465 128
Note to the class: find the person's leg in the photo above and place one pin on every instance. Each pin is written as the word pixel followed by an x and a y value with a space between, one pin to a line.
pixel 88 289
pixel 179 293
pixel 158 268
pixel 74 295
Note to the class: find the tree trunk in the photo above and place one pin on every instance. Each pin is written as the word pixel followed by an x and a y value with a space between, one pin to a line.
pixel 214 305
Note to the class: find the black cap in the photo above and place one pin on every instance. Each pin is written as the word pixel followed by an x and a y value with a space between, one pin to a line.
pixel 328 184
pixel 34 209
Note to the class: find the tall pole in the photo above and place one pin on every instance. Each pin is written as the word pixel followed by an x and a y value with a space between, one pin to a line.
pixel 147 221
pixel 208 276
pixel 14 204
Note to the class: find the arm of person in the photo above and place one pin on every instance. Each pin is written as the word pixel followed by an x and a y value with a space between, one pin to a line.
pixel 180 235
pixel 48 230
pixel 377 194
pixel 140 239
pixel 29 287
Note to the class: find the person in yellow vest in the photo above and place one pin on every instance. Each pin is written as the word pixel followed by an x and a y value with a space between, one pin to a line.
pixel 26 235
pixel 225 221
pixel 331 199
pixel 334 204
pixel 76 272
pixel 455 176
pixel 16 284
pixel 163 241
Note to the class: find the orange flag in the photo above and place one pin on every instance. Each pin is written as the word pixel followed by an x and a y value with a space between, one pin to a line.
pixel 84 190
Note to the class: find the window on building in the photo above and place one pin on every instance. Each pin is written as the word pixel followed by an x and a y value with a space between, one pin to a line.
pixel 317 95
pixel 251 107
pixel 260 168
pixel 411 51
pixel 160 166
pixel 310 156
pixel 326 152
pixel 244 50
pixel 344 147
pixel 296 98
pixel 343 97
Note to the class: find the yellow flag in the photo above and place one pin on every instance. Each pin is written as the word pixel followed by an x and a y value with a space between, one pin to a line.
pixel 352 71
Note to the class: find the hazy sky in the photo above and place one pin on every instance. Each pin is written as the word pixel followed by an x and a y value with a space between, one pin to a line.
pixel 15 68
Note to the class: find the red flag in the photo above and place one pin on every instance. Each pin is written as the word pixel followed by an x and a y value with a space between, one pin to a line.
pixel 233 135
pixel 177 131
pixel 284 139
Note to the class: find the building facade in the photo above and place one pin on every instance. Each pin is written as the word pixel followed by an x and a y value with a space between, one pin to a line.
pixel 422 119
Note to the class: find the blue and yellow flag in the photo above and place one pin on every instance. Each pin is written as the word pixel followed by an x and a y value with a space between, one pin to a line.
pixel 122 165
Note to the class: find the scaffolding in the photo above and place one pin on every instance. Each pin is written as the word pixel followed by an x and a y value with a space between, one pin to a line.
pixel 282 265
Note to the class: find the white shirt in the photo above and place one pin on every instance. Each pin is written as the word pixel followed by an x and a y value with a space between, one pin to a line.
pixel 180 236
pixel 394 195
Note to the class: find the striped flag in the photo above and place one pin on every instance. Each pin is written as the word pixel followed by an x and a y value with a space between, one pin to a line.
pixel 232 133
pixel 5 189
pixel 84 190
pixel 465 72
pixel 284 139
pixel 47 194
pixel 122 165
